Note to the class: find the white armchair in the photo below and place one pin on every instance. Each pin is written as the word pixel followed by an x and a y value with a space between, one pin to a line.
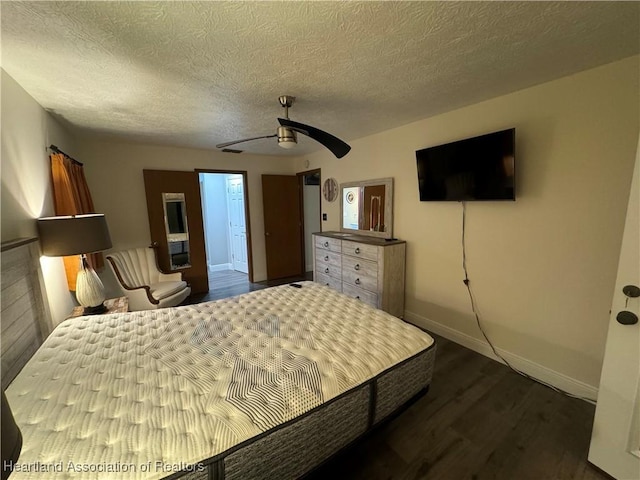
pixel 145 286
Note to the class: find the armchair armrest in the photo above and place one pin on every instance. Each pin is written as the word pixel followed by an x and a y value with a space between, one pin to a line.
pixel 139 295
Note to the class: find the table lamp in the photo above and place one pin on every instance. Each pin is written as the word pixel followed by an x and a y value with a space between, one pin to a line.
pixel 78 235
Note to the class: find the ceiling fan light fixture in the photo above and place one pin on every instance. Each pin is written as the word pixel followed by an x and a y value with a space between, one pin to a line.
pixel 287 133
pixel 286 138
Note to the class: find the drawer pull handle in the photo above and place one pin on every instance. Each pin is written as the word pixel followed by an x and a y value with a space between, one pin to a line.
pixel 327 284
pixel 326 258
pixel 357 281
pixel 326 244
pixel 357 250
pixel 357 267
pixel 326 270
pixel 358 297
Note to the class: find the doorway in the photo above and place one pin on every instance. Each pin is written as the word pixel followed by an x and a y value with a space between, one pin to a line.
pixel 311 206
pixel 226 232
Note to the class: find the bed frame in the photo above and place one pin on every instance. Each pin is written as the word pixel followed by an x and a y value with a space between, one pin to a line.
pixel 25 311
pixel 290 450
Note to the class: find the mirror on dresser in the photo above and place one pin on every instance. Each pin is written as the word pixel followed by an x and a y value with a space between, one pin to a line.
pixel 366 207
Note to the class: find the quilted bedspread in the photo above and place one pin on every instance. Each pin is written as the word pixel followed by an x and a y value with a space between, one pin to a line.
pixel 146 394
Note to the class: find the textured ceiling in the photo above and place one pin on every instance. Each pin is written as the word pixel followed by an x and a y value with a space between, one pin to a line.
pixel 200 73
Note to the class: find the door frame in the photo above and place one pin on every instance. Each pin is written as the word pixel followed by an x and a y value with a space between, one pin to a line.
pixel 301 176
pixel 247 217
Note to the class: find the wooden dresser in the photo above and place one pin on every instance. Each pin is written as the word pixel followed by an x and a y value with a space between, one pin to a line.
pixel 368 268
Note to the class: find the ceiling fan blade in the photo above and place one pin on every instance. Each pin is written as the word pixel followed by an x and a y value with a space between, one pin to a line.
pixel 337 146
pixel 228 144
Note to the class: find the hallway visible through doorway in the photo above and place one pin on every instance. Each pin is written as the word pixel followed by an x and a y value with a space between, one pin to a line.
pixel 311 213
pixel 224 218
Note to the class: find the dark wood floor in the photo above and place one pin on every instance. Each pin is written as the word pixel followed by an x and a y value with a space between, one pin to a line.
pixel 479 420
pixel 230 283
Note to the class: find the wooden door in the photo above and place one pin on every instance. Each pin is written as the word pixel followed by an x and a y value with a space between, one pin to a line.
pixel 615 441
pixel 282 226
pixel 157 183
pixel 237 224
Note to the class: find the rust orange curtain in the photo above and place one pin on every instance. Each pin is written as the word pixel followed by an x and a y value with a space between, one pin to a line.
pixel 71 196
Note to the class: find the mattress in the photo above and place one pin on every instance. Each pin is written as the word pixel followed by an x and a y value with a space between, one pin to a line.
pixel 214 388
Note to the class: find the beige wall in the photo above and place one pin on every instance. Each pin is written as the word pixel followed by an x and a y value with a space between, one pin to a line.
pixel 542 268
pixel 27 129
pixel 114 174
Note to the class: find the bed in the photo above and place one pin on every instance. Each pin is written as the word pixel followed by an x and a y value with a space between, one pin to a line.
pixel 264 385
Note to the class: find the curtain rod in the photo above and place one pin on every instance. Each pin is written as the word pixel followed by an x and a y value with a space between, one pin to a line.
pixel 57 150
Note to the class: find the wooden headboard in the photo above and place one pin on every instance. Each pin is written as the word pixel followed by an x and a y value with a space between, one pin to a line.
pixel 25 313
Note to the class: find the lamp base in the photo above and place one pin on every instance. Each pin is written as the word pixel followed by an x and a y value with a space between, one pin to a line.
pixel 89 290
pixel 97 310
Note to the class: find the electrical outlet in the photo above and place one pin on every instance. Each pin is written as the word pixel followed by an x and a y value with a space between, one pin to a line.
pixel 324 217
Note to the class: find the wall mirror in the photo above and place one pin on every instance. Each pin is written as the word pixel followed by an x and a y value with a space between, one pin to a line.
pixel 366 207
pixel 175 222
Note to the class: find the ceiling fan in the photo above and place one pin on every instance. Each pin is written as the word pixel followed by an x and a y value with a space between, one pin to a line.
pixel 286 133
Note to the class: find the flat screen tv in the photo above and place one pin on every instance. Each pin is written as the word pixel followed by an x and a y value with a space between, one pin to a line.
pixel 478 168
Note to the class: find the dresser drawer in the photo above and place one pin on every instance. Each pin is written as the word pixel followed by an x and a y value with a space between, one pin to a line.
pixel 357 279
pixel 326 269
pixel 365 267
pixel 326 243
pixel 361 250
pixel 359 269
pixel 332 282
pixel 327 258
pixel 354 292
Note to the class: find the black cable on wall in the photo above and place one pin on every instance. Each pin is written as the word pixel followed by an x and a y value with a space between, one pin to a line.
pixel 474 308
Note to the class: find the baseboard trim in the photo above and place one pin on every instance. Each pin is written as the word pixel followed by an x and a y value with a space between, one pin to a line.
pixel 547 375
pixel 220 267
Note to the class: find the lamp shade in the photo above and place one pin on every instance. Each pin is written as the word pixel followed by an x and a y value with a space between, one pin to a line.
pixel 72 235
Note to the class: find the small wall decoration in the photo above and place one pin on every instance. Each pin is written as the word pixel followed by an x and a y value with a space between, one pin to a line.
pixel 330 189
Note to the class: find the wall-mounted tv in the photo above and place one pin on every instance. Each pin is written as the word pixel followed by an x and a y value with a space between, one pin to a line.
pixel 478 168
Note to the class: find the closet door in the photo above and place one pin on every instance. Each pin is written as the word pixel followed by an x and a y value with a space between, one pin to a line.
pixel 282 226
